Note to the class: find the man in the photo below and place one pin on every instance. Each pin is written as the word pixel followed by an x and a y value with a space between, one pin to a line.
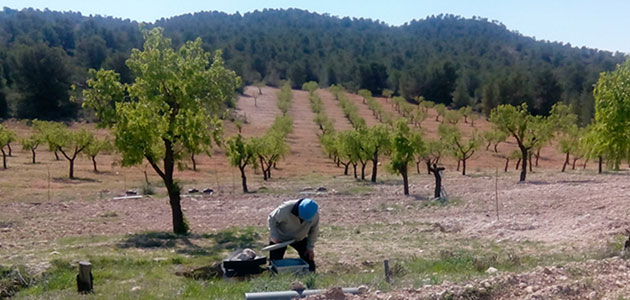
pixel 295 220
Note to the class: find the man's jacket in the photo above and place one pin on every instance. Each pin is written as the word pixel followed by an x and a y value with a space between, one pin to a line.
pixel 285 224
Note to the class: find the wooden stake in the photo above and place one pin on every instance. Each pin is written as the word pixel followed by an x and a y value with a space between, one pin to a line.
pixel 496 191
pixel 84 279
pixel 386 264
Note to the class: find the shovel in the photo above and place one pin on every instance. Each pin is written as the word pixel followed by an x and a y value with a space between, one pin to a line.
pixel 278 245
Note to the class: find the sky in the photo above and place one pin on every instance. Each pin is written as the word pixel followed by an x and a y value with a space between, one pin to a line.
pixel 599 24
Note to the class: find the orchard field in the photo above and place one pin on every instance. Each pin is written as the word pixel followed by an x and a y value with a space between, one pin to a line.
pixel 557 234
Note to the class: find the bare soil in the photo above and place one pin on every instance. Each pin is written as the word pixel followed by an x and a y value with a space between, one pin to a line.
pixel 573 211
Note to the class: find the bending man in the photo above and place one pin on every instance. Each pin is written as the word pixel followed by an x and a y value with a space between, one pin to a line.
pixel 295 220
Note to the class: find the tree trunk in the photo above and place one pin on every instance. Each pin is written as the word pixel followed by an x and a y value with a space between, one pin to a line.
pixel 4 158
pixel 537 156
pixel 345 169
pixel 518 163
pixel 403 172
pixel 374 165
pixel 584 165
pixel 94 164
pixel 566 162
pixel 33 151
pixel 418 167
pixel 507 162
pixel 599 168
pixel 530 162
pixel 244 179
pixel 574 160
pixel 428 167
pixel 459 161
pixel 262 167
pixel 354 166
pixel 179 226
pixel 71 172
pixel 10 150
pixel 192 157
pixel 496 150
pixel 438 181
pixel 363 164
pixel 488 146
pixel 524 166
pixel 464 166
pixel 56 155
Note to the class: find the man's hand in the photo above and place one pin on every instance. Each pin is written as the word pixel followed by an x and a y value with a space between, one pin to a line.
pixel 310 254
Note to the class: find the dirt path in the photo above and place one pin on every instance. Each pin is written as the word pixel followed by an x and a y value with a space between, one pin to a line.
pixel 304 141
pixel 260 117
pixel 333 110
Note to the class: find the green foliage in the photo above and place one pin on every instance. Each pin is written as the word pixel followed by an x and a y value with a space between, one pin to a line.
pixel 241 153
pixel 440 109
pixel 518 123
pixel 349 109
pixel 310 86
pixel 405 145
pixel 461 148
pixel 6 137
pixel 284 98
pixel 71 144
pixel 453 116
pixel 612 113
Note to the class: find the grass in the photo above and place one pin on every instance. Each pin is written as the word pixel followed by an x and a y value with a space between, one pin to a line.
pixel 150 265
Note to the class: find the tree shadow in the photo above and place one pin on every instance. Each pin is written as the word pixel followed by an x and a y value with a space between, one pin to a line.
pixel 76 180
pixel 568 182
pixel 195 244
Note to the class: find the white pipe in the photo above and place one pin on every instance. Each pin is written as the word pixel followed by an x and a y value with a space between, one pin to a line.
pixel 288 295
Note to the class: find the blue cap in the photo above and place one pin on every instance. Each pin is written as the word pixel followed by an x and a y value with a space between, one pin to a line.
pixel 307 209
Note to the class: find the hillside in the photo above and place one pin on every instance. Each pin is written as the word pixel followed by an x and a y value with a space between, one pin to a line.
pixel 446 58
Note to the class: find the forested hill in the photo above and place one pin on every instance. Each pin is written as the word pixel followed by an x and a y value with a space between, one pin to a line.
pixel 444 58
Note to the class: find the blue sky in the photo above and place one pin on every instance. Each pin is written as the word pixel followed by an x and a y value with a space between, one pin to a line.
pixel 600 24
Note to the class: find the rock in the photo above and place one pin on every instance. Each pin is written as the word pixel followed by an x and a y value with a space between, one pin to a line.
pixel 529 289
pixel 491 270
pixel 389 209
pixel 297 286
pixel 159 259
pixel 307 189
pixel 193 191
pixel 55 253
pixel 131 193
pixel 363 289
pixel 208 191
pixel 246 254
pixel 322 189
pixel 135 288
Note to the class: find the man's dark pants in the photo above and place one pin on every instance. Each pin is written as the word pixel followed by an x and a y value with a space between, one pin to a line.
pixel 300 246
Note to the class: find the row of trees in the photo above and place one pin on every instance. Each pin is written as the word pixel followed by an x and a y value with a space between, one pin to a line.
pixel 59 139
pixel 263 152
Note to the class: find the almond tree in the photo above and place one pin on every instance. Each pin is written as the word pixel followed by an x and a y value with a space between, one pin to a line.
pixel 97 147
pixel 240 154
pixel 462 149
pixel 175 96
pixel 612 113
pixel 6 136
pixel 518 123
pixel 405 145
pixel 70 144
